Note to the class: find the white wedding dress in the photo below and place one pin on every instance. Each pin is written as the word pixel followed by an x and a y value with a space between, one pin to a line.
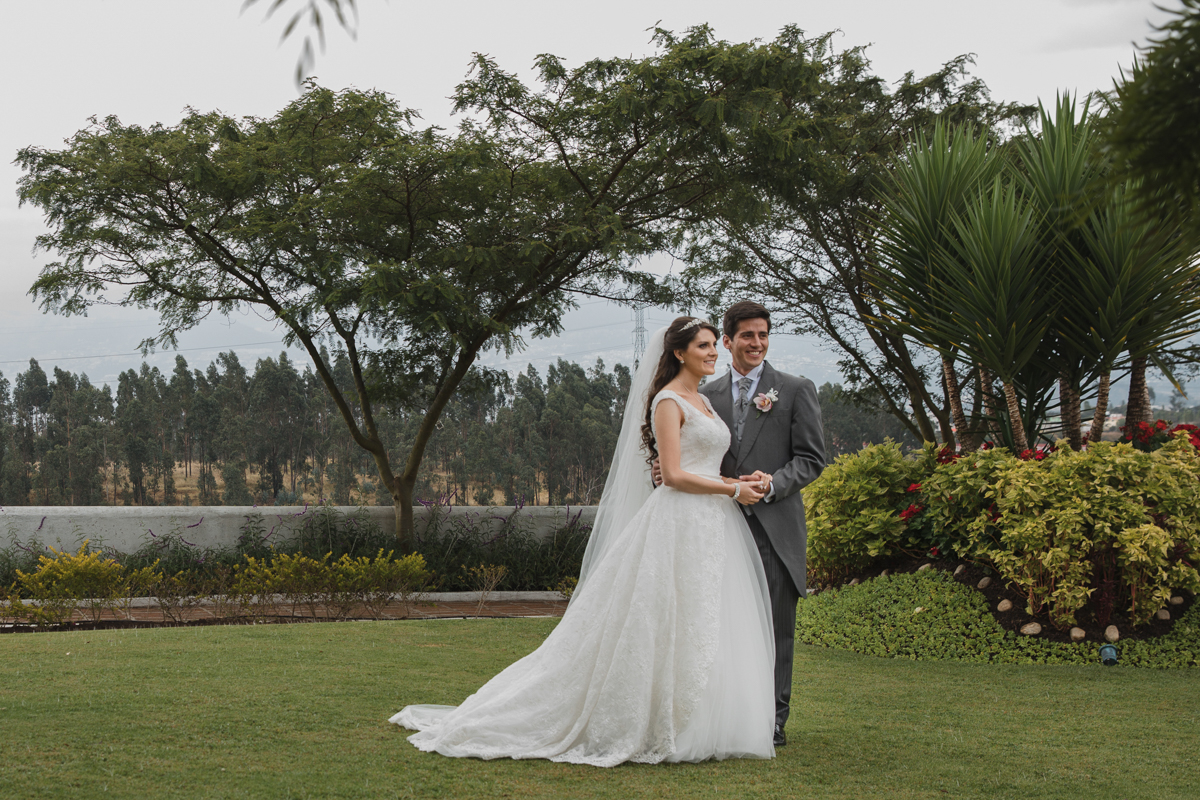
pixel 665 652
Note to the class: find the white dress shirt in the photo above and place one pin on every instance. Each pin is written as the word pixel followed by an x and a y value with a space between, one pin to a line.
pixel 753 375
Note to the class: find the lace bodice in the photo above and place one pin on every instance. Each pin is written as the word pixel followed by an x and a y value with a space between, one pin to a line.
pixel 703 440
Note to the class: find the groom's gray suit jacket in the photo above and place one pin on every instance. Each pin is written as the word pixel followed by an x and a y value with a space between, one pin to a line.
pixel 786 442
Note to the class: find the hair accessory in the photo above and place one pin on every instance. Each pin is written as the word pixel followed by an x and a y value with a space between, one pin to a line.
pixel 692 324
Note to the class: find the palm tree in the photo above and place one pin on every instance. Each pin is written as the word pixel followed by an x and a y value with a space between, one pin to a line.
pixel 1055 171
pixel 999 308
pixel 935 181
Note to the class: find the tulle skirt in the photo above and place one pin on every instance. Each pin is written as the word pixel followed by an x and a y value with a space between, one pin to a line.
pixel 665 653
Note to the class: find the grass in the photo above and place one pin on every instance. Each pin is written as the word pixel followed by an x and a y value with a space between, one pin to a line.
pixel 293 711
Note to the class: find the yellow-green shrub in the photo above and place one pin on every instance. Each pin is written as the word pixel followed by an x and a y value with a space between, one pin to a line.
pixel 300 579
pixel 854 509
pixel 1111 523
pixel 60 582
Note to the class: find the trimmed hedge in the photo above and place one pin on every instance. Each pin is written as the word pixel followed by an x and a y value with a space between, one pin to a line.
pixel 930 616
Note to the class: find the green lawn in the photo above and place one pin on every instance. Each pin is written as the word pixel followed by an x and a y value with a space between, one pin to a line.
pixel 280 711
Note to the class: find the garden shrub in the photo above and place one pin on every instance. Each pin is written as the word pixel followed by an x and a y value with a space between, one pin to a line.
pixel 453 545
pixel 1111 524
pixel 929 615
pixel 59 581
pixel 301 580
pixel 865 506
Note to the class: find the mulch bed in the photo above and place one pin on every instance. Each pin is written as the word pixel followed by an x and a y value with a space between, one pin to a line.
pixel 1013 619
pixel 203 615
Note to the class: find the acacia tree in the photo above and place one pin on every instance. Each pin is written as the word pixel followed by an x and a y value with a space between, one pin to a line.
pixel 411 250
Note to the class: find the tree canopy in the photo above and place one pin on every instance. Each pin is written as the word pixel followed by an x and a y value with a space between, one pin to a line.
pixel 1156 114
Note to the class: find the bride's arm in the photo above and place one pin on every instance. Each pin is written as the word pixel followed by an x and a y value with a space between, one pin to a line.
pixel 668 419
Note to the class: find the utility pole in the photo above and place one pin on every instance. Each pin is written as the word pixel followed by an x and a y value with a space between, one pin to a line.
pixel 639 334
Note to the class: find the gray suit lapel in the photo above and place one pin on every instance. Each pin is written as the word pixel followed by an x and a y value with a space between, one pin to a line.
pixel 754 419
pixel 721 399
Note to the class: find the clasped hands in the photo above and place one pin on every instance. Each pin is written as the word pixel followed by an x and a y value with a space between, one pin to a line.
pixel 754 486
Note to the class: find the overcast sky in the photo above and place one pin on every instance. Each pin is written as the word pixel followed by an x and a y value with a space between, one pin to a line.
pixel 146 60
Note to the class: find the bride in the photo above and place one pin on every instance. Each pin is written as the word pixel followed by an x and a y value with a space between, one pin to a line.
pixel 665 652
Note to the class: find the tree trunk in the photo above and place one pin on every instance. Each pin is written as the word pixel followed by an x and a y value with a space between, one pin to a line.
pixel 987 386
pixel 402 498
pixel 1101 413
pixel 1068 402
pixel 954 396
pixel 924 424
pixel 1137 408
pixel 1020 443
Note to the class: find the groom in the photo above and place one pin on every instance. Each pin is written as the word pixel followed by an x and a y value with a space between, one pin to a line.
pixel 775 421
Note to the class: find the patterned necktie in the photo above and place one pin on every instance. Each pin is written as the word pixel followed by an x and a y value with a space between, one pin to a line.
pixel 743 405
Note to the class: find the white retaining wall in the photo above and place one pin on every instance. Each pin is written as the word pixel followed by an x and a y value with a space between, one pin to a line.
pixel 127 528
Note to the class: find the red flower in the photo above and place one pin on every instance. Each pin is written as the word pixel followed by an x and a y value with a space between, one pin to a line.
pixel 911 511
pixel 1026 455
pixel 916 487
pixel 933 551
pixel 1161 425
pixel 947 455
pixel 987 445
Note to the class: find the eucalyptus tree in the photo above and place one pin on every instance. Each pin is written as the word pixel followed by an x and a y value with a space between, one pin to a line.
pixel 413 250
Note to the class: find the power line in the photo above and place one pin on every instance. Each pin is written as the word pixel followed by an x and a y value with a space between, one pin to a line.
pixel 138 352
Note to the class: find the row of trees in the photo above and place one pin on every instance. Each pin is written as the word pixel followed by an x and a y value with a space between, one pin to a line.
pixel 227 435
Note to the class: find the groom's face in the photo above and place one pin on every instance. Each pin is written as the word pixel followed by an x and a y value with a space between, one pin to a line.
pixel 748 346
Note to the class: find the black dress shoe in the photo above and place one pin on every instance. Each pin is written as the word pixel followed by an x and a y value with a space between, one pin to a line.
pixel 780 736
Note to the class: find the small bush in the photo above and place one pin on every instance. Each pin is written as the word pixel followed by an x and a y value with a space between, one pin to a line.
pixel 865 507
pixel 452 546
pixel 60 581
pixel 176 595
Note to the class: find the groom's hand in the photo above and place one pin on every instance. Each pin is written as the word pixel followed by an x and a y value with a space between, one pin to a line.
pixel 656 472
pixel 761 481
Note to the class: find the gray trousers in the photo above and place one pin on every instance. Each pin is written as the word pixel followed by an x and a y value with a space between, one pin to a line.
pixel 784 597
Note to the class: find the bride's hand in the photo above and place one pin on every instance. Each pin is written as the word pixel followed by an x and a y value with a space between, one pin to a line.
pixel 749 494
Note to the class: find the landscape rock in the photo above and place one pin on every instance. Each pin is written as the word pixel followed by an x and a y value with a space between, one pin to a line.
pixel 1004 605
pixel 1176 600
pixel 1031 629
pixel 959 570
pixel 924 567
pixel 1111 633
pixel 1162 614
pixel 885 573
pixel 1078 634
pixel 854 582
pixel 983 583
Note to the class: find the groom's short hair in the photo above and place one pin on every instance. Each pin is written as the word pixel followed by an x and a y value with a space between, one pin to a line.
pixel 739 312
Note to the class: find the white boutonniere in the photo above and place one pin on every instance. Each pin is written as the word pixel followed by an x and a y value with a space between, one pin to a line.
pixel 763 401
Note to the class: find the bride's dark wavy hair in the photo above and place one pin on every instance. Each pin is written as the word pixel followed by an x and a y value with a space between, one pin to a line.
pixel 678 336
